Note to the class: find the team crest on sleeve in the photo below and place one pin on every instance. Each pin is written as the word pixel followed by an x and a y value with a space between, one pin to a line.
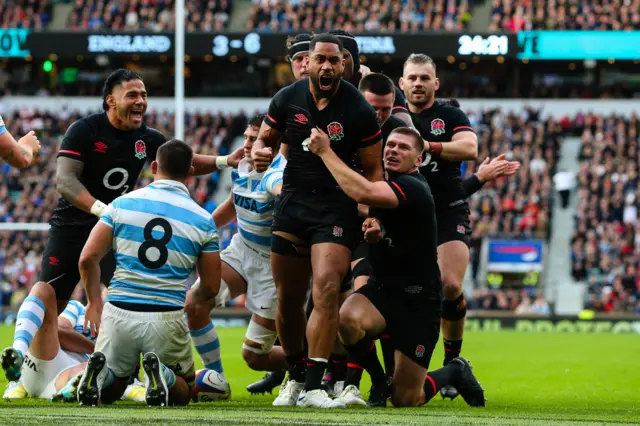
pixel 336 132
pixel 437 127
pixel 141 150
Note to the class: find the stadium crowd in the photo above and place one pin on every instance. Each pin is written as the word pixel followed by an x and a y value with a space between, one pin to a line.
pixel 31 14
pixel 29 196
pixel 359 15
pixel 150 15
pixel 606 242
pixel 526 15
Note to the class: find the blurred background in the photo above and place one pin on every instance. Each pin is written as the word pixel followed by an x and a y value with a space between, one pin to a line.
pixel 553 83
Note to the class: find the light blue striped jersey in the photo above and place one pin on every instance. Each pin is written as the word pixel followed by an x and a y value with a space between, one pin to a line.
pixel 74 312
pixel 158 235
pixel 3 128
pixel 254 200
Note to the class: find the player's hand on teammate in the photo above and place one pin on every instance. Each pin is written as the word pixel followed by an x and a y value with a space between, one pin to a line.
pixel 498 167
pixel 372 229
pixel 364 70
pixel 319 141
pixel 92 317
pixel 262 159
pixel 31 141
pixel 234 159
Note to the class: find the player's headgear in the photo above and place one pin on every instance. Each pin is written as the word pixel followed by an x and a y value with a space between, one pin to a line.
pixel 118 76
pixel 349 42
pixel 297 45
pixel 174 158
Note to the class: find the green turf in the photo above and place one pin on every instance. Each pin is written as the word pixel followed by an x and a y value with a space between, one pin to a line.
pixel 530 378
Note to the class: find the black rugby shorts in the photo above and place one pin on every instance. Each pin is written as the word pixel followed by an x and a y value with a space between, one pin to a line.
pixel 454 225
pixel 61 256
pixel 318 217
pixel 413 322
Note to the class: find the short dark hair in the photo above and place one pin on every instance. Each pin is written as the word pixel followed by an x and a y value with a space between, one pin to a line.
pixel 419 59
pixel 297 44
pixel 376 83
pixel 256 121
pixel 174 158
pixel 408 131
pixel 117 77
pixel 325 38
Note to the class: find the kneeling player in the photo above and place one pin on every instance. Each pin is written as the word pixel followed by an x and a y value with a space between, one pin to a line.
pixel 404 292
pixel 246 263
pixel 159 235
pixel 36 357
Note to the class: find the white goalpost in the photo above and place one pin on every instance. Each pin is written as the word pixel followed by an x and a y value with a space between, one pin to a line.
pixel 179 71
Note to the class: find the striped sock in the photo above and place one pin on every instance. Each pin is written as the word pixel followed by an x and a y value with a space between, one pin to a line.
pixel 208 347
pixel 169 376
pixel 30 317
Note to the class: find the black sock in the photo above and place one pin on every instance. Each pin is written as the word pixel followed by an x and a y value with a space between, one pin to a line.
pixel 388 354
pixel 330 367
pixel 277 342
pixel 315 371
pixel 354 373
pixel 452 350
pixel 366 355
pixel 437 379
pixel 296 367
pixel 339 373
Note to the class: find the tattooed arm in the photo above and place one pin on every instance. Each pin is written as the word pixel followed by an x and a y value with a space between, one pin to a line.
pixel 69 186
pixel 18 154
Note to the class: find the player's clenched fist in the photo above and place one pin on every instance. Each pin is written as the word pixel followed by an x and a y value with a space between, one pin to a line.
pixel 372 229
pixel 262 159
pixel 319 141
pixel 31 140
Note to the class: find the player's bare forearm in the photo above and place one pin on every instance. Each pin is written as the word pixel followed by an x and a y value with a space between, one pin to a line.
pixel 225 213
pixel 210 271
pixel 463 147
pixel 13 153
pixel 357 187
pixel 72 341
pixel 268 137
pixel 68 184
pixel 204 164
pixel 97 245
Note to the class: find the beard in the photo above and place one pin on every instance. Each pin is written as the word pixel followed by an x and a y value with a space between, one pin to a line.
pixel 325 93
pixel 422 100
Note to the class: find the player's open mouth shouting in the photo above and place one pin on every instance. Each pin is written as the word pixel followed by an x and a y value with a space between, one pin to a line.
pixel 326 81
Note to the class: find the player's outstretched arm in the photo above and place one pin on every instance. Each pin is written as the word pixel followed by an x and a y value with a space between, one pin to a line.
pixel 99 242
pixel 488 171
pixel 68 184
pixel 71 340
pixel 225 212
pixel 463 147
pixel 357 187
pixel 18 154
pixel 206 164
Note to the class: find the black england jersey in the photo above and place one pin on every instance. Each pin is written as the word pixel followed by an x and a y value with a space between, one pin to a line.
pixel 349 120
pixel 113 160
pixel 406 259
pixel 438 124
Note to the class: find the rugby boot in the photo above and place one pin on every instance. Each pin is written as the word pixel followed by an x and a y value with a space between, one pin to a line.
pixel 268 383
pixel 89 388
pixel 12 361
pixel 378 395
pixel 467 384
pixel 157 389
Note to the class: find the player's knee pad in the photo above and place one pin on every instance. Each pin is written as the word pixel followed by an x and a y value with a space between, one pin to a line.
pixel 454 310
pixel 362 269
pixel 261 335
pixel 284 247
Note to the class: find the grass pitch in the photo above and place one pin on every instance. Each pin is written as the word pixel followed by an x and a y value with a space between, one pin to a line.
pixel 530 378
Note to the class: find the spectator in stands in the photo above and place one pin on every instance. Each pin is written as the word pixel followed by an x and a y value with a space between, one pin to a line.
pixel 359 15
pixel 564 183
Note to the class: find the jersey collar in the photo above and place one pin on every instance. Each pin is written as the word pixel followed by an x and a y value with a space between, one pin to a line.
pixel 171 185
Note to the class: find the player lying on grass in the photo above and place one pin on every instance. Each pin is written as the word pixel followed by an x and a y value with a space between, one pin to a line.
pixel 42 362
pixel 404 293
pixel 246 264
